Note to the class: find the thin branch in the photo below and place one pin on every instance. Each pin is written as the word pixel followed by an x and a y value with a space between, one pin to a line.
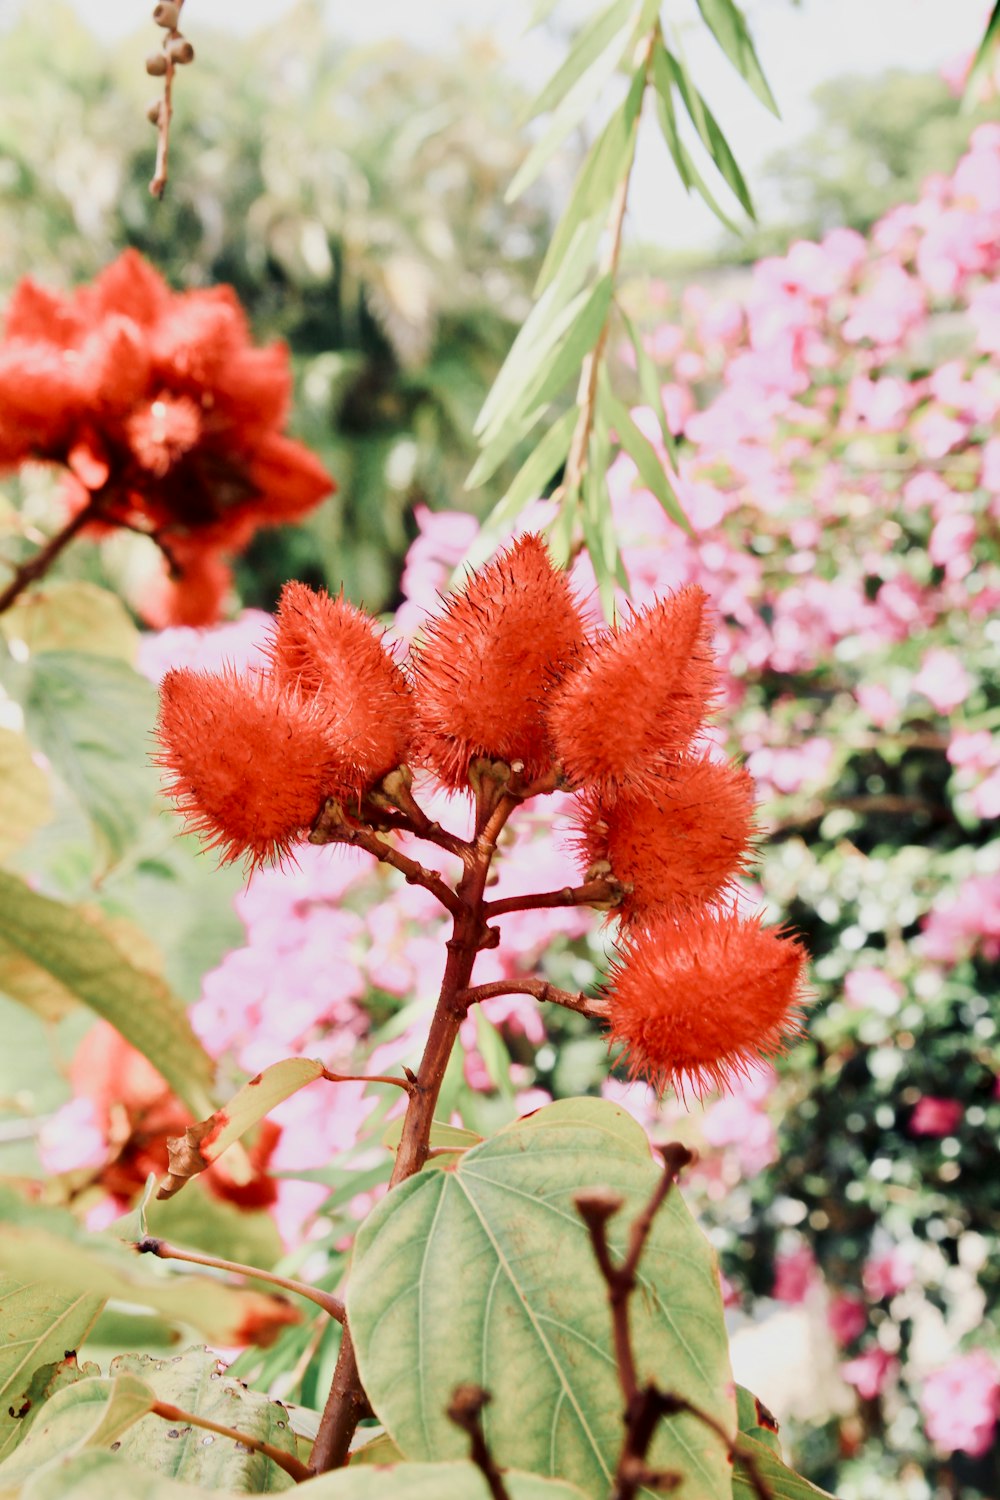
pixel 165 112
pixel 406 1084
pixel 37 566
pixel 541 989
pixel 465 1410
pixel 586 396
pixel 396 793
pixel 287 1461
pixel 330 1304
pixel 603 892
pixel 331 827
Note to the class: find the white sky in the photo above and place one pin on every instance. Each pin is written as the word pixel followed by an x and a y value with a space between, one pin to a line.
pixel 799 46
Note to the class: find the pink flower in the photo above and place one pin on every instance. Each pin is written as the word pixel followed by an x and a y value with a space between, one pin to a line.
pixel 961 1403
pixel 869 1372
pixel 73 1138
pixel 960 924
pixel 794 1273
pixel 943 679
pixel 984 309
pixel 873 989
pixel 951 544
pixel 886 1275
pixel 936 1117
pixel 878 703
pixel 847 1318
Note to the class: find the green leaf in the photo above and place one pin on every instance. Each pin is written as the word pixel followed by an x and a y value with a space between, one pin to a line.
pixel 54 941
pixel 532 1324
pixel 92 716
pixel 203 1143
pixel 443 1137
pixel 90 1413
pixel 687 171
pixel 984 61
pixel 72 616
pixel 447 1481
pixel 104 1476
pixel 782 1482
pixel 604 167
pixel 649 384
pixel 525 369
pixel 46 1246
pixel 726 22
pixel 25 799
pixel 381 1450
pixel 644 456
pixel 755 1421
pixel 42 1329
pixel 541 329
pixel 197 1382
pixel 708 129
pixel 531 478
pixel 595 38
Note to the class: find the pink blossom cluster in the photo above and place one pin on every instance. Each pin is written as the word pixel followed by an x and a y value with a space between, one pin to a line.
pixel 961 1403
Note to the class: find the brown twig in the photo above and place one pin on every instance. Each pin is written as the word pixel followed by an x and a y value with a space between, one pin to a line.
pixel 165 113
pixel 287 1461
pixel 37 566
pixel 465 1410
pixel 407 1084
pixel 602 892
pixel 330 1304
pixel 541 989
pixel 331 827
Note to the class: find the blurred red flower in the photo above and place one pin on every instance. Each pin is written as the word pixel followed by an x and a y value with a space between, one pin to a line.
pixel 167 417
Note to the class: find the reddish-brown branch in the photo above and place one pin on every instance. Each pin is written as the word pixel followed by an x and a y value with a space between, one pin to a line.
pixel 400 1083
pixel 331 827
pixel 604 892
pixel 465 1410
pixel 36 567
pixel 163 118
pixel 330 1304
pixel 291 1465
pixel 541 989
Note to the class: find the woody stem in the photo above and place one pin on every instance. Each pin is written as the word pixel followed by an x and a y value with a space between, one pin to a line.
pixel 38 566
pixel 592 893
pixel 541 989
pixel 330 1304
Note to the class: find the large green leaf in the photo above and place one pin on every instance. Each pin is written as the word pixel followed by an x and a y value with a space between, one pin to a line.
pixel 92 716
pixel 46 941
pixel 48 1248
pixel 25 799
pixel 90 1413
pixel 41 1330
pixel 484 1273
pixel 196 1382
pixel 726 22
pixel 65 615
pixel 755 1421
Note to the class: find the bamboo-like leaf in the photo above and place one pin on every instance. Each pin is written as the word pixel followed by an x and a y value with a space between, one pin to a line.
pixel 644 456
pixel 595 39
pixel 204 1143
pixel 708 129
pixel 686 168
pixel 605 165
pixel 727 24
pixel 560 532
pixel 527 485
pixel 544 325
pixel 984 61
pixel 649 384
pixel 52 941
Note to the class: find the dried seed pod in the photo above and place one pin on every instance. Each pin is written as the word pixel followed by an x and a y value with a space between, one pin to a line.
pixel 167 14
pixel 180 50
pixel 154 111
pixel 156 64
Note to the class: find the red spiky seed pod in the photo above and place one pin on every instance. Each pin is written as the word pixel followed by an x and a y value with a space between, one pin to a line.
pixel 638 697
pixel 247 761
pixel 677 847
pixel 329 650
pixel 489 660
pixel 697 1003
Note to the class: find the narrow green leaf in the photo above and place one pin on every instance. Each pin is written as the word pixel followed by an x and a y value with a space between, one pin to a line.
pixel 649 384
pixel 527 485
pixel 54 940
pixel 686 168
pixel 644 456
pixel 571 112
pixel 782 1483
pixel 42 1329
pixel 500 447
pixel 604 167
pixel 545 324
pixel 708 129
pixel 727 24
pixel 984 61
pixel 596 38
pixel 560 531
pixel 447 1137
pixel 532 1322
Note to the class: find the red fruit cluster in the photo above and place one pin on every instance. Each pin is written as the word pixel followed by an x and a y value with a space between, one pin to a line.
pixel 508 672
pixel 167 417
